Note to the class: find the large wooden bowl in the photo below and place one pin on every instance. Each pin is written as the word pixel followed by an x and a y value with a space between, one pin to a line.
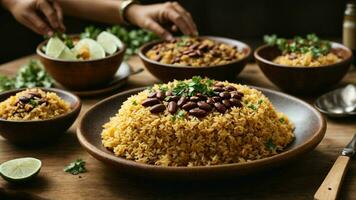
pixel 81 74
pixel 303 80
pixel 310 129
pixel 39 132
pixel 168 72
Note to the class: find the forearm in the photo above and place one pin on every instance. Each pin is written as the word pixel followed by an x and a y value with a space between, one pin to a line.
pixel 106 11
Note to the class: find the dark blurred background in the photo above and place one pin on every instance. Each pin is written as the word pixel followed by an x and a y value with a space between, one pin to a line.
pixel 244 20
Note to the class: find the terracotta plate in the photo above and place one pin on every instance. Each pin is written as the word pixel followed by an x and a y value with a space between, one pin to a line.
pixel 310 130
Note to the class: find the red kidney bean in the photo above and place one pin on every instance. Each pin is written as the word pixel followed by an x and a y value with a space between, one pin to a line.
pixel 201 96
pixel 152 95
pixel 218 89
pixel 189 105
pixel 235 94
pixel 225 95
pixel 226 103
pixel 205 106
pixel 193 46
pixel 235 102
pixel 219 84
pixel 160 95
pixel 216 99
pixel 182 101
pixel 169 93
pixel 194 98
pixel 157 108
pixel 172 107
pixel 197 112
pixel 35 94
pixel 150 102
pixel 210 101
pixel 24 99
pixel 220 107
pixel 230 88
pixel 173 98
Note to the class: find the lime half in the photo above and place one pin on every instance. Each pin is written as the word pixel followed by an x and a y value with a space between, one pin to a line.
pixel 109 42
pixel 89 49
pixel 54 47
pixel 67 54
pixel 20 169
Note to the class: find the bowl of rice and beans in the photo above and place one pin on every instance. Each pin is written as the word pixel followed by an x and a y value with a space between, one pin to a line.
pixel 198 127
pixel 36 115
pixel 303 65
pixel 184 57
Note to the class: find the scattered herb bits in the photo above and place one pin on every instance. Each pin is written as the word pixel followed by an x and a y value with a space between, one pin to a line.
pixel 76 167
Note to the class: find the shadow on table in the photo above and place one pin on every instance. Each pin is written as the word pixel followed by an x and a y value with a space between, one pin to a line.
pixel 287 182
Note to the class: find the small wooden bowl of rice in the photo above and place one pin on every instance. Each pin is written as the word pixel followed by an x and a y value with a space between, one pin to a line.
pixel 30 117
pixel 317 77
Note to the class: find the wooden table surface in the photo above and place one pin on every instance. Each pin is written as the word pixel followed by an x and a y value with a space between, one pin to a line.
pixel 297 180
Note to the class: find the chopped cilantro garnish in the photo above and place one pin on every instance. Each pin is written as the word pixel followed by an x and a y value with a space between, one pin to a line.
pixel 180 115
pixel 76 167
pixel 191 88
pixel 282 120
pixel 163 88
pixel 298 44
pixel 253 107
pixel 270 145
pixel 260 101
pixel 33 102
pixel 134 103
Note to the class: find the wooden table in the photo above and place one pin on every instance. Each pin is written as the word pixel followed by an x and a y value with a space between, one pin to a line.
pixel 298 180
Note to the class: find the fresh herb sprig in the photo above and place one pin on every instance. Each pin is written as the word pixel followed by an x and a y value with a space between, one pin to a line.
pixel 133 39
pixel 76 167
pixel 191 88
pixel 311 43
pixel 29 75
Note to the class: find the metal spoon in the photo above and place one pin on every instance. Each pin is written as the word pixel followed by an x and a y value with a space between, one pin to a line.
pixel 338 103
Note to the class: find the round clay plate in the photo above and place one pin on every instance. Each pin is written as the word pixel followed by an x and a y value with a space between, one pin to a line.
pixel 309 124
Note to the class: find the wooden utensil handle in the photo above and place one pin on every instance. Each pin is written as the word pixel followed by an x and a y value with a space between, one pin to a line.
pixel 329 189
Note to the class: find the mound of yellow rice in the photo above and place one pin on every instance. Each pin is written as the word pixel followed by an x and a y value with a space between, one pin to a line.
pixel 52 106
pixel 254 131
pixel 307 60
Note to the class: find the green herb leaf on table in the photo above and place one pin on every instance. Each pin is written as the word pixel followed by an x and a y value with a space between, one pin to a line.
pixel 29 75
pixel 76 167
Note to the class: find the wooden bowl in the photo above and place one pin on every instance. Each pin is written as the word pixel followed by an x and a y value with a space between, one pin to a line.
pixel 38 132
pixel 81 74
pixel 303 80
pixel 168 72
pixel 310 129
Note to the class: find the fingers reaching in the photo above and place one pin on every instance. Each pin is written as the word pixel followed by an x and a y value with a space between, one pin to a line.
pixel 38 25
pixel 157 29
pixel 50 13
pixel 187 18
pixel 59 12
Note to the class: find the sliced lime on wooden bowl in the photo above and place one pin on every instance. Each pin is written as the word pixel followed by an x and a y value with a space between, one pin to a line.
pixel 54 47
pixel 20 169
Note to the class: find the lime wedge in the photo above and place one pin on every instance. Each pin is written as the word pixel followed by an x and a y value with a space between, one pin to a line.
pixel 20 169
pixel 54 47
pixel 67 54
pixel 89 49
pixel 109 42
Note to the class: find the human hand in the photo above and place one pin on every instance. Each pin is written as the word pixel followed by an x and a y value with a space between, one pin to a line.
pixel 42 16
pixel 152 17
